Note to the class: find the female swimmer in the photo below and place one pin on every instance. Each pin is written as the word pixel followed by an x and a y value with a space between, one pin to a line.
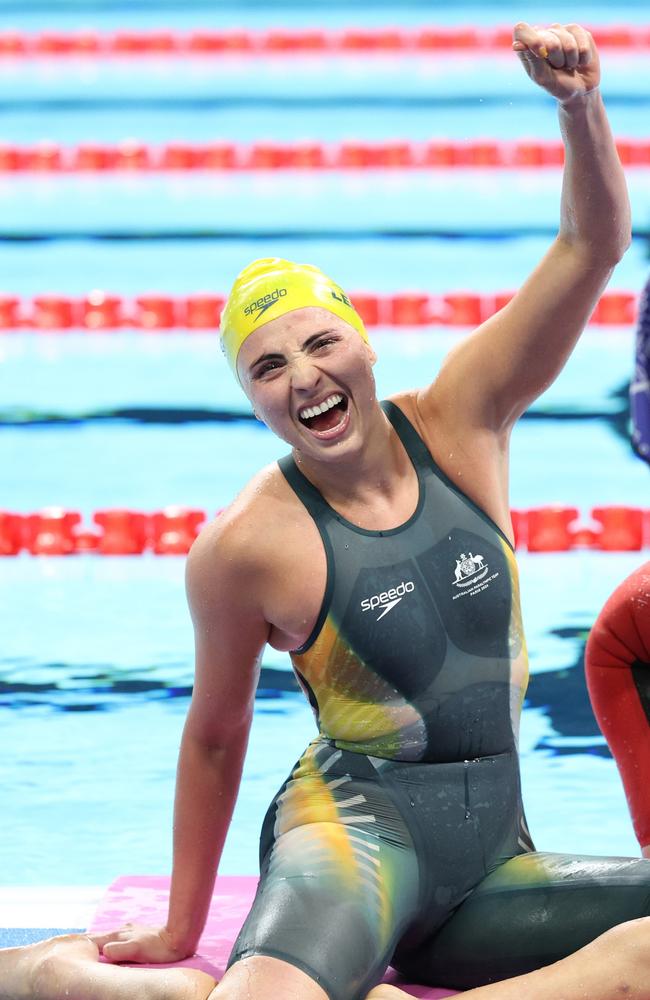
pixel 379 555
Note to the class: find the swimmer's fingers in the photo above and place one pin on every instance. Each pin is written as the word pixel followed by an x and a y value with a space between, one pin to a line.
pixel 529 40
pixel 539 52
pixel 584 43
pixel 101 939
pixel 562 59
pixel 563 53
pixel 137 943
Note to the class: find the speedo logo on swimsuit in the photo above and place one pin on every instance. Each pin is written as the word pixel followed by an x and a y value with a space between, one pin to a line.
pixel 261 305
pixel 388 598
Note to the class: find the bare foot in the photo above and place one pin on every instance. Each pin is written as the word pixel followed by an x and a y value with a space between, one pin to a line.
pixel 68 968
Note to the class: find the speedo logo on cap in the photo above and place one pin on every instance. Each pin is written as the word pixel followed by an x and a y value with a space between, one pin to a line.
pixel 260 306
pixel 388 598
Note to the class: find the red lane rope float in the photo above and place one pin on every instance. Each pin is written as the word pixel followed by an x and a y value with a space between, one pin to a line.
pixel 137 157
pixel 93 44
pixel 171 531
pixel 100 311
pixel 58 532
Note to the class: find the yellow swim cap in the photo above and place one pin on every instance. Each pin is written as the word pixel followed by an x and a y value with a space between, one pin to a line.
pixel 271 287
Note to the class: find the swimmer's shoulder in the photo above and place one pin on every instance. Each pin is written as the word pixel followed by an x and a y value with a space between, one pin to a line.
pixel 423 413
pixel 473 457
pixel 229 574
pixel 245 537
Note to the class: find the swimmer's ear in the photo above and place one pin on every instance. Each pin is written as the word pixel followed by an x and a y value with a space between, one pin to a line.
pixel 371 352
pixel 260 420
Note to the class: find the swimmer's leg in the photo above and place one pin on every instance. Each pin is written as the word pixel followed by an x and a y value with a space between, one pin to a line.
pixel 68 968
pixel 331 904
pixel 532 911
pixel 616 964
pixel 261 977
pixel 339 878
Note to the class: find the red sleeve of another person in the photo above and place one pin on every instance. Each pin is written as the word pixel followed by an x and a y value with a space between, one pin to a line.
pixel 617 663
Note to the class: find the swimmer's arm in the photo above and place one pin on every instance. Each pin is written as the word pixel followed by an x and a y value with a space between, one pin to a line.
pixel 229 637
pixel 496 373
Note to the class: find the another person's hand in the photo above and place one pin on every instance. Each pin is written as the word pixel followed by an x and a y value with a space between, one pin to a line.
pixel 137 943
pixel 561 59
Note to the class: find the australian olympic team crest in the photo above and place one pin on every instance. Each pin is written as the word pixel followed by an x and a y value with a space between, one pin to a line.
pixel 469 570
pixel 471 575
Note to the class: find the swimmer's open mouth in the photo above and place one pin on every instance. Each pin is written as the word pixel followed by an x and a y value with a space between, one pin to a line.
pixel 327 415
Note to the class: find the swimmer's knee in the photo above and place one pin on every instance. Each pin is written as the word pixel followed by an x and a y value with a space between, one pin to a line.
pixel 629 944
pixel 630 931
pixel 637 935
pixel 386 992
pixel 52 959
pixel 259 977
pixel 44 973
pixel 68 947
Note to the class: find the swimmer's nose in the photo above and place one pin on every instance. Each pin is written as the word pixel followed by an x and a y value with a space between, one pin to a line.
pixel 304 375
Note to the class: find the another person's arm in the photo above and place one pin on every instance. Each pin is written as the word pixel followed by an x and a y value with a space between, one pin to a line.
pixel 617 664
pixel 515 355
pixel 640 387
pixel 230 633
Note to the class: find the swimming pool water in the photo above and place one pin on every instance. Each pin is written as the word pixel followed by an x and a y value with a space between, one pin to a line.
pixel 94 688
pixel 30 15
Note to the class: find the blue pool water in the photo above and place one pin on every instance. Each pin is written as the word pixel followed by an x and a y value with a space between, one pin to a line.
pixel 96 654
pixel 147 465
pixel 75 14
pixel 95 686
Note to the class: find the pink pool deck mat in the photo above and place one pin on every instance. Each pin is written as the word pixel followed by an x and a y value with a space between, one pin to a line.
pixel 143 899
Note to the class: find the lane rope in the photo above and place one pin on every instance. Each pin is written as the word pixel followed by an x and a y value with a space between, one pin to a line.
pixel 55 531
pixel 134 156
pixel 436 40
pixel 101 311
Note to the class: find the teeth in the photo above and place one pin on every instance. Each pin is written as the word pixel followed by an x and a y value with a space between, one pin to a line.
pixel 313 411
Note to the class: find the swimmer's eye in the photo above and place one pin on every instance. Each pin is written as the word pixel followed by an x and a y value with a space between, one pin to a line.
pixel 266 368
pixel 272 365
pixel 325 342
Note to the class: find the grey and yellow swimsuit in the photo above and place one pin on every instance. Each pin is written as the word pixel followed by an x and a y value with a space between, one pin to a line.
pixel 399 837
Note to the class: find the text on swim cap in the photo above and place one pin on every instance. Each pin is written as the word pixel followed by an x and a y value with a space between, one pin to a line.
pixel 264 303
pixel 342 297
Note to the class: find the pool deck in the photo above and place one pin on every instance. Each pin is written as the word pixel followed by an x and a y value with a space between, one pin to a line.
pixel 30 913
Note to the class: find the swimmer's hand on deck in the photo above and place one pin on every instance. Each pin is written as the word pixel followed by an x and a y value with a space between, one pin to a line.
pixel 562 59
pixel 137 943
